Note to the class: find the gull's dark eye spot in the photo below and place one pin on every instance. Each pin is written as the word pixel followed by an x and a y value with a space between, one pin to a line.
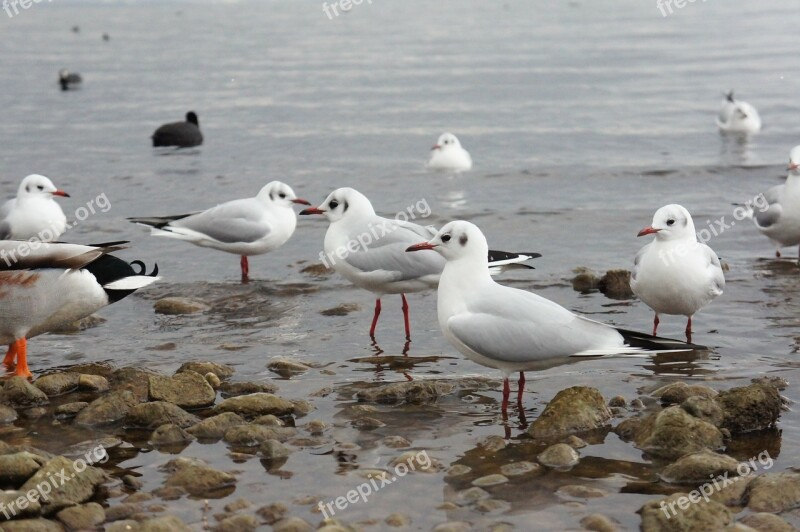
pixel 28 188
pixel 345 207
pixel 282 195
pixel 333 204
pixel 446 238
pixel 670 222
pixel 40 187
pixel 462 240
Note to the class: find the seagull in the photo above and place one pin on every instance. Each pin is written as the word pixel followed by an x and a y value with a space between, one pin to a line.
pixel 676 274
pixel 33 213
pixel 736 116
pixel 47 285
pixel 779 219
pixel 447 154
pixel 181 134
pixel 69 80
pixel 246 227
pixel 368 250
pixel 510 329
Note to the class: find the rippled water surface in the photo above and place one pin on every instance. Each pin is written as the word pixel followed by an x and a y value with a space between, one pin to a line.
pixel 582 117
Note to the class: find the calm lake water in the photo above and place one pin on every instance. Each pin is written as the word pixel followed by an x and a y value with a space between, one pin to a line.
pixel 582 118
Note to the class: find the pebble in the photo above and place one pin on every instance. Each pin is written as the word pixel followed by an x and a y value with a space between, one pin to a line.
pixel 598 523
pixel 559 456
pixel 223 371
pixel 490 480
pixel 580 491
pixel 286 367
pixel 175 306
pixel 516 469
pixel 397 520
pixel 93 383
pixel 83 516
pixel 69 410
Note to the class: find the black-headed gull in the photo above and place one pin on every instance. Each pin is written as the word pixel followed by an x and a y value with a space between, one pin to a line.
pixel 675 274
pixel 447 154
pixel 369 250
pixel 181 134
pixel 34 212
pixel 511 329
pixel 245 227
pixel 736 116
pixel 46 285
pixel 780 220
pixel 69 80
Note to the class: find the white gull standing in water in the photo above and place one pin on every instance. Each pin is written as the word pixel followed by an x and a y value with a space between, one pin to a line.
pixel 447 154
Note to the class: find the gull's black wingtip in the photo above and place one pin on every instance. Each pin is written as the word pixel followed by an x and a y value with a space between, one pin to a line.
pixel 649 342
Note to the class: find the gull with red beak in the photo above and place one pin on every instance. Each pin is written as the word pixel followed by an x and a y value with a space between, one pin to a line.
pixel 245 227
pixel 33 213
pixel 369 251
pixel 779 219
pixel 448 155
pixel 675 274
pixel 511 329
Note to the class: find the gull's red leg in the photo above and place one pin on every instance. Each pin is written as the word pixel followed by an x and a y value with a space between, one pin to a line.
pixel 11 355
pixel 245 269
pixel 655 324
pixel 506 393
pixel 520 389
pixel 777 253
pixel 689 330
pixel 375 317
pixel 22 359
pixel 405 316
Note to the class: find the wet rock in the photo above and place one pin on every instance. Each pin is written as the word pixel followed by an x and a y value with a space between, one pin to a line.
pixel 777 382
pixel 493 444
pixel 169 434
pixel 396 442
pixel 301 407
pixel 753 407
pixel 575 442
pixel 699 467
pixel 492 506
pixel 238 504
pixel 253 435
pixel 678 512
pixel 82 517
pixel 616 284
pixel 254 405
pixel 155 414
pixel 272 513
pixel 32 525
pixel 109 408
pixel 415 392
pixel 397 520
pixel 88 322
pixel 237 523
pixel 704 408
pixel 559 456
pixel 80 486
pixel 18 501
pixel 232 389
pixel 732 495
pixel 574 410
pixel 672 433
pixel 7 414
pixel 273 450
pixel 16 468
pixel 367 423
pixel 490 480
pixel 169 493
pixel 341 310
pixel 223 371
pixel 214 428
pixel 317 270
pixel 292 524
pixel 174 306
pixel 774 492
pixel 598 523
pixel 93 383
pixel 18 392
pixel 416 461
pixel 167 523
pixel 186 389
pixel 134 380
pixel 122 511
pixel 286 367
pixel 678 392
pixel 767 523
pixel 579 491
pixel 269 420
pixel 132 482
pixel 617 402
pixel 34 413
pixel 70 410
pixel 458 470
pixel 453 526
pixel 213 380
pixel 316 426
pixel 197 478
pixel 516 469
pixel 59 383
pixel 585 281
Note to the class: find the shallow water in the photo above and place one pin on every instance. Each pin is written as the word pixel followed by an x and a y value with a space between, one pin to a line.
pixel 582 118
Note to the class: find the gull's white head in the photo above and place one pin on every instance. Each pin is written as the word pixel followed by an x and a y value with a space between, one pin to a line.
pixel 446 141
pixel 39 185
pixel 794 161
pixel 279 193
pixel 343 203
pixel 671 222
pixel 457 240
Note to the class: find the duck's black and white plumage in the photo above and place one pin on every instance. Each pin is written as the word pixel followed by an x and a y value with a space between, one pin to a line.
pixel 181 134
pixel 69 80
pixel 46 285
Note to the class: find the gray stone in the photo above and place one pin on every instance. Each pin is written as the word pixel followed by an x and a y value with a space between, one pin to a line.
pixel 155 414
pixel 186 389
pixel 572 411
pixel 110 408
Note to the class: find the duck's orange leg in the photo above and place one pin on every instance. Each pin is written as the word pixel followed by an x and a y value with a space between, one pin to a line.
pixel 11 355
pixel 22 359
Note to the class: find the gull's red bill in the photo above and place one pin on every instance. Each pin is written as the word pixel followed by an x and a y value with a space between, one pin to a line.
pixel 421 246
